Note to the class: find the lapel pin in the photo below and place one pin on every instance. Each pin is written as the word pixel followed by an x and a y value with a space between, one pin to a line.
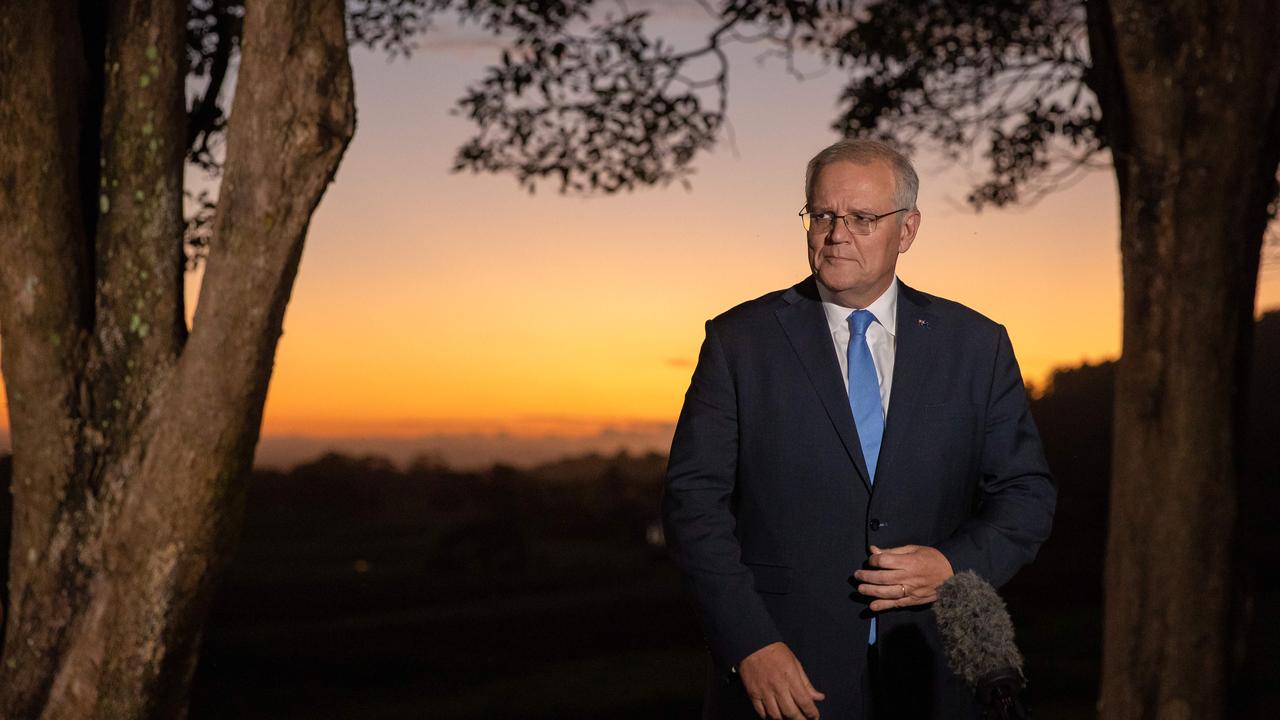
pixel 922 322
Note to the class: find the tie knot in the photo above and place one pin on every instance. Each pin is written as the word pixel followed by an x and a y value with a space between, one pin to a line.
pixel 860 320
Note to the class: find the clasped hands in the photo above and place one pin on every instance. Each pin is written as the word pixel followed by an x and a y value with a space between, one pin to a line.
pixel 897 577
pixel 902 576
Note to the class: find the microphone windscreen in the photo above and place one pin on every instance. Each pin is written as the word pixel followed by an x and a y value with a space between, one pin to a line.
pixel 976 630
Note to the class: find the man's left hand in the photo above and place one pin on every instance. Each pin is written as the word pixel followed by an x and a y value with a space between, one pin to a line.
pixel 903 576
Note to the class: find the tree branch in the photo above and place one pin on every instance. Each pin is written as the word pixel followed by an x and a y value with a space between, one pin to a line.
pixel 45 310
pixel 284 144
pixel 138 294
pixel 212 41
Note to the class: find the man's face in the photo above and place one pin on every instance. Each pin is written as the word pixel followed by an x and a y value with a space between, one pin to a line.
pixel 858 268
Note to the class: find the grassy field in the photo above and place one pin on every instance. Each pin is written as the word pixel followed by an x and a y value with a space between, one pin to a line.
pixel 369 630
pixel 359 592
pixel 605 634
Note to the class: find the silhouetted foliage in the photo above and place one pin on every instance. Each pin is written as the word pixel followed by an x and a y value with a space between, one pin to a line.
pixel 477 519
pixel 213 40
pixel 1008 77
pixel 584 96
pixel 615 108
pixel 1074 419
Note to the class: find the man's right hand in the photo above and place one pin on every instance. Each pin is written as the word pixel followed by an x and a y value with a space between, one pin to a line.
pixel 777 685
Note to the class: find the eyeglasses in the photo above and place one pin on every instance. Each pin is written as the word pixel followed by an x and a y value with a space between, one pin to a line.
pixel 857 223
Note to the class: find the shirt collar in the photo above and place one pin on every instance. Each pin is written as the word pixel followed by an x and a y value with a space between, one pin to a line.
pixel 884 308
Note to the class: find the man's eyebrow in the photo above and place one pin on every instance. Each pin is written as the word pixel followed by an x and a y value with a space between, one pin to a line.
pixel 853 211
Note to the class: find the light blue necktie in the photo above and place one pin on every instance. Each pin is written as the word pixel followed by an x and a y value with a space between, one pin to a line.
pixel 864 400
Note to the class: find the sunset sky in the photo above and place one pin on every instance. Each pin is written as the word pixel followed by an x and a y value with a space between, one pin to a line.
pixel 433 303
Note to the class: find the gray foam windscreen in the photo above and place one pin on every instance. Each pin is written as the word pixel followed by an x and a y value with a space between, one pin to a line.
pixel 977 632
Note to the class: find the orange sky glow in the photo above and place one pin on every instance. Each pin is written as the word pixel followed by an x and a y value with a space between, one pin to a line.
pixel 436 303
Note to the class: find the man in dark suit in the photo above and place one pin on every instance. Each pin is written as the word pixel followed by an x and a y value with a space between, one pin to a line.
pixel 845 446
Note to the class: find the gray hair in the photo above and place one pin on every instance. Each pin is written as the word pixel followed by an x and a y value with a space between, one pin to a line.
pixel 861 151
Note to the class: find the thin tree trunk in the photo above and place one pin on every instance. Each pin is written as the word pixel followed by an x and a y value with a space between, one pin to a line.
pixel 131 440
pixel 1193 113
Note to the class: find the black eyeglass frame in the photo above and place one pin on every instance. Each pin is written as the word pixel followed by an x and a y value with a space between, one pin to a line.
pixel 806 219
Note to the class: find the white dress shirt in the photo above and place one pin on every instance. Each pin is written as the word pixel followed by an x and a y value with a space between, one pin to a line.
pixel 881 335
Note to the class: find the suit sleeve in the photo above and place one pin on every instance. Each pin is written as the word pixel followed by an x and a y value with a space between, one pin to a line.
pixel 1016 492
pixel 697 512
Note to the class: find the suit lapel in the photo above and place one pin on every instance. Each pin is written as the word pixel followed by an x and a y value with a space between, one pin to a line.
pixel 916 341
pixel 805 324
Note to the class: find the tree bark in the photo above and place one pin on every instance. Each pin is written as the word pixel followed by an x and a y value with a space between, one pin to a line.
pixel 131 440
pixel 1191 106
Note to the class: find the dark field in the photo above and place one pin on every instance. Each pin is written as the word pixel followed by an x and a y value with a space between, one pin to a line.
pixel 562 621
pixel 558 609
pixel 606 634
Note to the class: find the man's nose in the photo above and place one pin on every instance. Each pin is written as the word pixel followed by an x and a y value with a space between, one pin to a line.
pixel 840 233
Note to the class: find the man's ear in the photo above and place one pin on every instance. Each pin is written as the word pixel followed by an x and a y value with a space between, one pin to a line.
pixel 907 232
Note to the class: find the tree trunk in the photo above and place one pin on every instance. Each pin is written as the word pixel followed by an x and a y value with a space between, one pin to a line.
pixel 1191 105
pixel 131 440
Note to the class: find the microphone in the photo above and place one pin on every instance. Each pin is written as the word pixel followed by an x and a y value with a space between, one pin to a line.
pixel 977 635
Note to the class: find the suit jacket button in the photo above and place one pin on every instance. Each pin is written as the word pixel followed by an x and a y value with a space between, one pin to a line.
pixel 876 524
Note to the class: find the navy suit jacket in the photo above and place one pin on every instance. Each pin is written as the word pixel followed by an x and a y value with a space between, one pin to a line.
pixel 768 510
